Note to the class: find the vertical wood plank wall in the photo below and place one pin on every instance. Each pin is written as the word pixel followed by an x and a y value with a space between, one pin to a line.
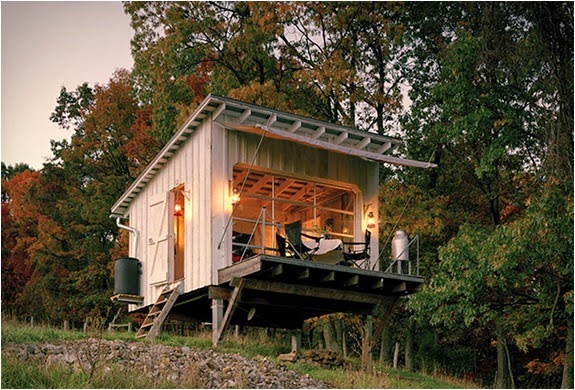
pixel 204 164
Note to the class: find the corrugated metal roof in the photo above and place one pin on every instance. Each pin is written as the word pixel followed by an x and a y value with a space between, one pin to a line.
pixel 240 116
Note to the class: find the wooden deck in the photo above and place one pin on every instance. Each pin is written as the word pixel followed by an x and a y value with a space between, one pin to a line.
pixel 279 292
pixel 313 274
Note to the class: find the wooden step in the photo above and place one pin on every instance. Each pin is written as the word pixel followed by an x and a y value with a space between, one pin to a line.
pixel 159 312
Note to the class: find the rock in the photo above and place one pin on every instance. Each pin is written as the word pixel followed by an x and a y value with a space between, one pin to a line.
pixel 202 368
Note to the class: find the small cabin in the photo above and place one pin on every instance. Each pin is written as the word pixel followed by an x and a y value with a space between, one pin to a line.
pixel 212 216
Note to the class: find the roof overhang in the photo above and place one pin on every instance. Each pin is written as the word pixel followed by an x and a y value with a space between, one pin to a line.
pixel 250 118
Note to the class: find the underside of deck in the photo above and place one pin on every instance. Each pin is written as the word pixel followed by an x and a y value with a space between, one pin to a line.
pixel 280 292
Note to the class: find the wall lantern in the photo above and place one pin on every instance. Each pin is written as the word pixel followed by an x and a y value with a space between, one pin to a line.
pixel 370 220
pixel 178 212
pixel 235 196
pixel 370 217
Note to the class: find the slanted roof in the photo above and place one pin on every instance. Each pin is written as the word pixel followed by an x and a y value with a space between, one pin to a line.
pixel 251 118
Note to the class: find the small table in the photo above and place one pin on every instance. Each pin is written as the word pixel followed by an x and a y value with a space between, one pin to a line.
pixel 325 246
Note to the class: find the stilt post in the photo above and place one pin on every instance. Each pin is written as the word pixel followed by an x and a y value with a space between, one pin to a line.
pixel 217 317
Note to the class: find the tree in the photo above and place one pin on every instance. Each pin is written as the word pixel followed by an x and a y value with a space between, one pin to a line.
pixel 485 104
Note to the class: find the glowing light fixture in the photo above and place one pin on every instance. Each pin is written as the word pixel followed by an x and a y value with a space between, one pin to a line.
pixel 370 220
pixel 235 196
pixel 178 210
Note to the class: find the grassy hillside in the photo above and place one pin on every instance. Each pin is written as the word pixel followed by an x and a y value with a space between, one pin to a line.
pixel 254 345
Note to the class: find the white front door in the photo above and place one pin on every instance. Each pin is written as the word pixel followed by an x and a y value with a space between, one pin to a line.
pixel 160 240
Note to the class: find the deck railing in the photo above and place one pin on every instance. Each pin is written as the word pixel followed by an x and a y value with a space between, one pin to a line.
pixel 261 222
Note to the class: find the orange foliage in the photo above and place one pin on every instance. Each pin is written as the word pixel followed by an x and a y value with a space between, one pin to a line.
pixel 553 367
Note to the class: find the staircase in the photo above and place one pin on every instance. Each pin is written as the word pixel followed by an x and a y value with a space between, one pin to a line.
pixel 159 312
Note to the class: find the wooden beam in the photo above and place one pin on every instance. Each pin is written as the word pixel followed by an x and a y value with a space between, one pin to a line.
pixel 272 120
pixel 236 296
pixel 312 291
pixel 378 284
pixel 298 195
pixel 342 137
pixel 240 177
pixel 216 292
pixel 293 128
pixel 243 268
pixel 351 281
pixel 283 187
pixel 304 274
pixel 245 115
pixel 278 270
pixel 218 111
pixel 384 147
pixel 328 277
pixel 363 143
pixel 399 287
pixel 194 299
pixel 319 132
pixel 259 184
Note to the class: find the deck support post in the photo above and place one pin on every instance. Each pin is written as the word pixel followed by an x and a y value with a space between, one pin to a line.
pixel 296 341
pixel 217 316
pixel 238 284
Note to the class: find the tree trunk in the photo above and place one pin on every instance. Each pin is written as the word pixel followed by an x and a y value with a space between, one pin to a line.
pixel 344 344
pixel 366 344
pixel 396 356
pixel 338 328
pixel 504 376
pixel 409 345
pixel 328 336
pixel 384 355
pixel 567 382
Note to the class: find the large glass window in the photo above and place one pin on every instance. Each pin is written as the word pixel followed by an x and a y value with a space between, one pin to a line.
pixel 323 208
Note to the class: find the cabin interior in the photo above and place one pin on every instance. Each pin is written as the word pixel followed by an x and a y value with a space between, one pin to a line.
pixel 325 210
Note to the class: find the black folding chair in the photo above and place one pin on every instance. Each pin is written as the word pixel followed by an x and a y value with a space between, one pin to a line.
pixel 295 244
pixel 359 258
pixel 240 248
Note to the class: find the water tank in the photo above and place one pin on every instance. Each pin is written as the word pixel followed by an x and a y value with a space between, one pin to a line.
pixel 127 276
pixel 400 249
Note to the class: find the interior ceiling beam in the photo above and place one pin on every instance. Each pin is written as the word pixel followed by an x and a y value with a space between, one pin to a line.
pixel 283 187
pixel 259 184
pixel 240 177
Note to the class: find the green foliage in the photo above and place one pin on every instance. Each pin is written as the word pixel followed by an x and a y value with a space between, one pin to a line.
pixel 16 332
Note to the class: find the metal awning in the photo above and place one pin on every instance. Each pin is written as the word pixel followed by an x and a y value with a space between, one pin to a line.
pixel 245 117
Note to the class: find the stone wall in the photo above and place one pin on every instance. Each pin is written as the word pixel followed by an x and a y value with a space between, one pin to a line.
pixel 208 368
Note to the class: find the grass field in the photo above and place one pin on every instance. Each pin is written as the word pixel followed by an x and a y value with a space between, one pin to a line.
pixel 15 374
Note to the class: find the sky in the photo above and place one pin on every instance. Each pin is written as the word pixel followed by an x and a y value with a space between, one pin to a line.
pixel 47 45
